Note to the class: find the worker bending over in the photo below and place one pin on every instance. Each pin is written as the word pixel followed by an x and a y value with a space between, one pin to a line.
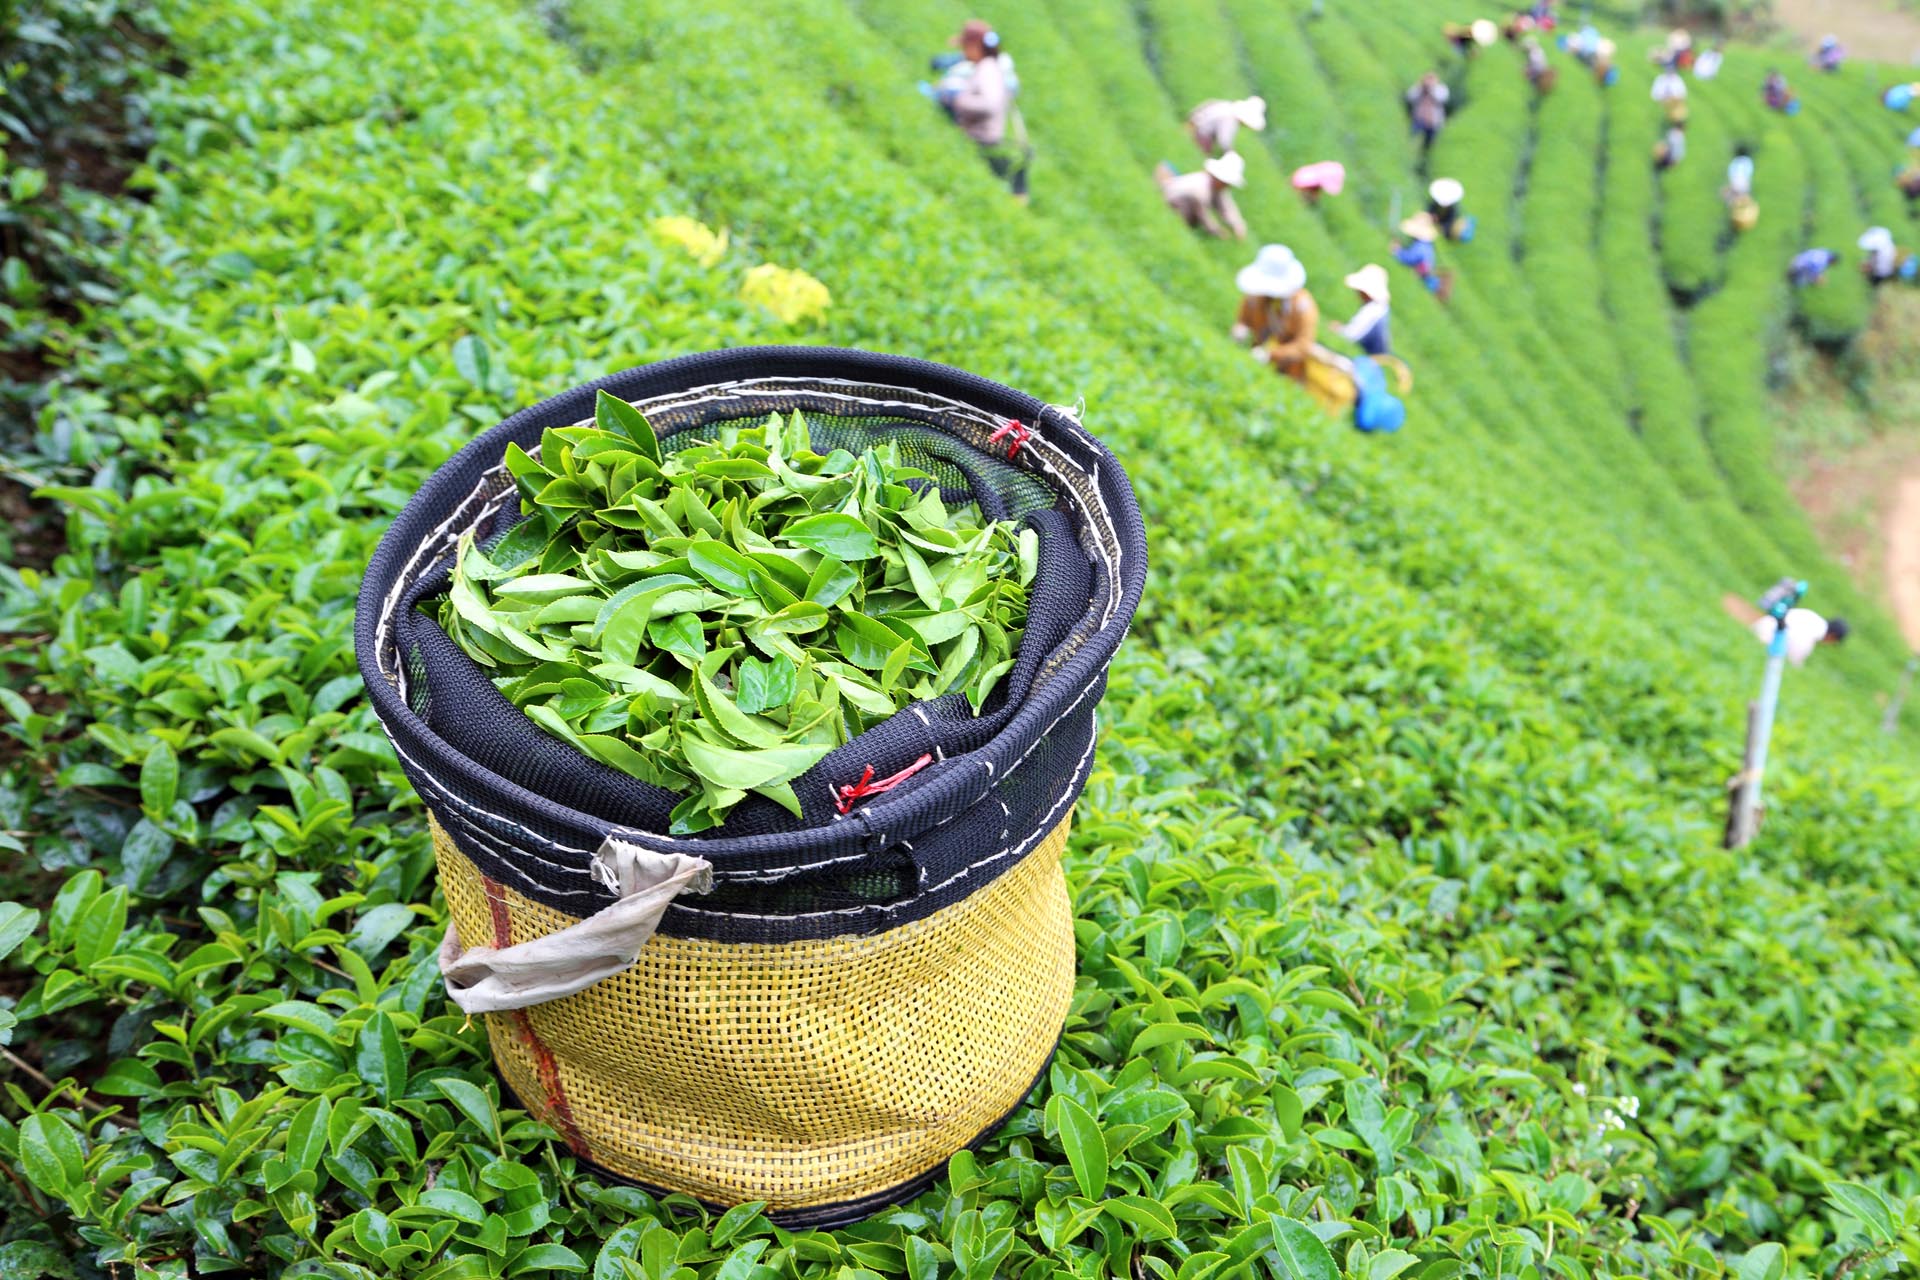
pixel 1882 262
pixel 1213 124
pixel 1204 198
pixel 1277 316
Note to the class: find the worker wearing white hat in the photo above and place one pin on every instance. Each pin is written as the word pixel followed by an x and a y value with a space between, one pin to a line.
pixel 1213 123
pixel 1277 315
pixel 1204 199
pixel 1883 259
pixel 1368 328
pixel 1443 202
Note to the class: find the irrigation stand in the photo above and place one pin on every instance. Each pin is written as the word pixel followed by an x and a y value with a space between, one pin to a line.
pixel 1745 806
pixel 1891 720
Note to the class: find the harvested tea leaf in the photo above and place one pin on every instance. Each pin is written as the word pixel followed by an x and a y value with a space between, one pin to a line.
pixel 716 619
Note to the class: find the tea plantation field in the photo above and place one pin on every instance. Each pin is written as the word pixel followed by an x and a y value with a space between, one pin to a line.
pixel 1407 947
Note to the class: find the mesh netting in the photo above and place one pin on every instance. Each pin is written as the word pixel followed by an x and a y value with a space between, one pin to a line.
pixel 530 810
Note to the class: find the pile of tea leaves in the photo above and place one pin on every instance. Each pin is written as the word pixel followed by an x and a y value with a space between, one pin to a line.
pixel 716 619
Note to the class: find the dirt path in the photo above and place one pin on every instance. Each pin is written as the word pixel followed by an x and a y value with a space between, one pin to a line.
pixel 1902 533
pixel 1865 504
pixel 1879 29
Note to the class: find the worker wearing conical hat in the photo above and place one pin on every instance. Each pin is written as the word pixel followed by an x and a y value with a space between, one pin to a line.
pixel 1368 327
pixel 1204 198
pixel 1214 123
pixel 1417 250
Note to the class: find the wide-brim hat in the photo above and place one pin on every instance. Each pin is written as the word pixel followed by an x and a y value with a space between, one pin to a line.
pixel 1420 226
pixel 1370 280
pixel 1447 192
pixel 1274 273
pixel 1251 112
pixel 1329 176
pixel 1875 238
pixel 1229 168
pixel 1484 32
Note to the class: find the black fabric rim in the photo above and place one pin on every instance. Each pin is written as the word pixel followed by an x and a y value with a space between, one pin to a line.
pixel 446 778
pixel 827 1216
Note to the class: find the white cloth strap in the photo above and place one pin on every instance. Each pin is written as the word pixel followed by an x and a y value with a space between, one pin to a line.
pixel 492 979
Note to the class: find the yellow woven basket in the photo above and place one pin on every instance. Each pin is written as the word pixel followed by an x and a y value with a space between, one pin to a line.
pixel 819 1074
pixel 811 1006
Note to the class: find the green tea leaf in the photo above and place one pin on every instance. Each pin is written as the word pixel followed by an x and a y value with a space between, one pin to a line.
pixel 51 1155
pixel 1865 1206
pixel 1301 1254
pixel 610 413
pixel 380 1058
pixel 1085 1145
pixel 765 685
pixel 159 781
pixel 833 534
pixel 737 770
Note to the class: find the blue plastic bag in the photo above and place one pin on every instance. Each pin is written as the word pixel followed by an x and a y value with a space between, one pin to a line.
pixel 1377 409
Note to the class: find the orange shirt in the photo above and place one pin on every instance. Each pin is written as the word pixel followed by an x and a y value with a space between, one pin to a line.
pixel 1288 327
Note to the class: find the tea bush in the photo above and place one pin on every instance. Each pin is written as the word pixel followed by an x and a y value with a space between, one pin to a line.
pixel 1406 947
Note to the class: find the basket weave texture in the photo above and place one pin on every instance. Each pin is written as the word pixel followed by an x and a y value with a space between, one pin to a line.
pixel 810 1073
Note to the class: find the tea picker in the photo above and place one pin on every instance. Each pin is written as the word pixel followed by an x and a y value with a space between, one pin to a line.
pixel 1790 634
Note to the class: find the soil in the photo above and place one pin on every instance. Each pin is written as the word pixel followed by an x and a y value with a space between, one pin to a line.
pixel 1881 29
pixel 1902 527
pixel 34 531
pixel 1865 503
pixel 1854 465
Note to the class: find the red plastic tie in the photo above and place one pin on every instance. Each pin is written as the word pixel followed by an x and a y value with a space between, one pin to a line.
pixel 846 796
pixel 1017 430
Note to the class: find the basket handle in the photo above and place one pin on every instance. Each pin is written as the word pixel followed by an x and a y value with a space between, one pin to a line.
pixel 495 979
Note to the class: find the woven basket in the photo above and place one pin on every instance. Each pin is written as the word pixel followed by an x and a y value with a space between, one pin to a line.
pixel 821 1009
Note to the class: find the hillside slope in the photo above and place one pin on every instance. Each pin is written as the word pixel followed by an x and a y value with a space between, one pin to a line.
pixel 1408 805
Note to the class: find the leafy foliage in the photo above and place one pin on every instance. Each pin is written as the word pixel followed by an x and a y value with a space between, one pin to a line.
pixel 624 614
pixel 73 121
pixel 1406 948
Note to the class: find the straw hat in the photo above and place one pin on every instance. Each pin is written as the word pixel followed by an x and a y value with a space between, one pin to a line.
pixel 1447 192
pixel 1875 239
pixel 1484 32
pixel 1329 176
pixel 1251 112
pixel 1420 226
pixel 1229 168
pixel 1371 281
pixel 1274 273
